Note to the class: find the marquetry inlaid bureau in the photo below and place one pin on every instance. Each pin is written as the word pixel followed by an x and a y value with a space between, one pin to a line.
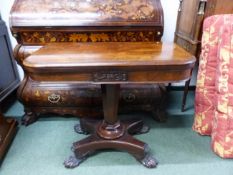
pixel 37 23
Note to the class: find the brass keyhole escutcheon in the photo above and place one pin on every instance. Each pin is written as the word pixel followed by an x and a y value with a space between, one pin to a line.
pixel 129 97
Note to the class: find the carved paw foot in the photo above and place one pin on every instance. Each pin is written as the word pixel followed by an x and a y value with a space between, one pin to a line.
pixel 29 118
pixel 72 162
pixel 144 129
pixel 159 115
pixel 149 161
pixel 78 129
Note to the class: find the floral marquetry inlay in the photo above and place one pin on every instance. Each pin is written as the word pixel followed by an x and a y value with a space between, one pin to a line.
pixel 123 36
pixel 97 10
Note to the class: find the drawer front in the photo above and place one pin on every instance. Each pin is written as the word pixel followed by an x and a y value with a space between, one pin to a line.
pixel 76 95
pixel 65 95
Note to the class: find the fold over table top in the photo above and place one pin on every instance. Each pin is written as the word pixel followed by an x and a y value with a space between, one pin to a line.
pixel 141 59
pixel 109 54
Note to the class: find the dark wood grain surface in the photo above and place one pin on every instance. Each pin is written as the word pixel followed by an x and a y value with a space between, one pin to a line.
pixel 111 65
pixel 46 21
pixel 37 23
pixel 109 55
pixel 8 127
pixel 86 13
pixel 138 62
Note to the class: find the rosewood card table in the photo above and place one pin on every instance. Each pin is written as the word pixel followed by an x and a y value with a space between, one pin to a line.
pixel 110 64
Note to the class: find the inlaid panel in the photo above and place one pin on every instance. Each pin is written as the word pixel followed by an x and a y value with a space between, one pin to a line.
pixel 85 12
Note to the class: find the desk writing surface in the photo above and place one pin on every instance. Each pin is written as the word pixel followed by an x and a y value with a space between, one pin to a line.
pixel 109 54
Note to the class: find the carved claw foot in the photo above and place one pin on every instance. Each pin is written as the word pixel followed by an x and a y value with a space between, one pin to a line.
pixel 144 129
pixel 78 129
pixel 149 161
pixel 29 118
pixel 159 115
pixel 73 162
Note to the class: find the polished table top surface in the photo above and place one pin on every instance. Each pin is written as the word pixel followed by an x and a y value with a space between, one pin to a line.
pixel 110 63
pixel 109 54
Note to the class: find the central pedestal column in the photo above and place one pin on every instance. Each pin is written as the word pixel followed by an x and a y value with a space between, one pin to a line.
pixel 110 133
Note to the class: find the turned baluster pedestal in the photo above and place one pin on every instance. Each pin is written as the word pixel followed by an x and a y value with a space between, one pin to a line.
pixel 111 133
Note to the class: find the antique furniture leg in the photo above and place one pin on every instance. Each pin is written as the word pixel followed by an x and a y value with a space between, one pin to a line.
pixel 111 133
pixel 186 89
pixel 158 113
pixel 85 126
pixel 29 117
pixel 8 129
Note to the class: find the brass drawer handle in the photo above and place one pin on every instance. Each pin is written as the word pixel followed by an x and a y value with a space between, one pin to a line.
pixel 54 98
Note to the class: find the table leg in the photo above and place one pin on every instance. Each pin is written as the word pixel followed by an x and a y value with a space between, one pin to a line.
pixel 186 89
pixel 111 133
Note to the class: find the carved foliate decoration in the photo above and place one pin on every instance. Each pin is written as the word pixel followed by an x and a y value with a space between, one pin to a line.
pixel 110 76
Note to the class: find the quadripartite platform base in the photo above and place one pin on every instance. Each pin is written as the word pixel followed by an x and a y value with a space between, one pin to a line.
pixel 107 136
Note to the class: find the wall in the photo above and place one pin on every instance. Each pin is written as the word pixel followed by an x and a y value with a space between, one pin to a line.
pixel 5 7
pixel 170 8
